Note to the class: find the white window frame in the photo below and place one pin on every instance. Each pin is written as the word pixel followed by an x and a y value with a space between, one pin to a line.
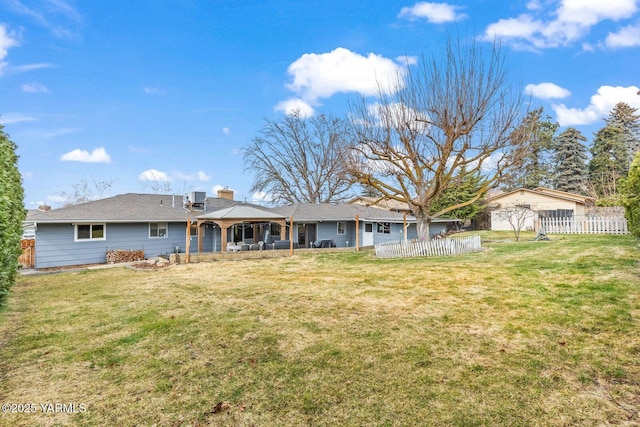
pixel 158 228
pixel 344 228
pixel 383 228
pixel 90 238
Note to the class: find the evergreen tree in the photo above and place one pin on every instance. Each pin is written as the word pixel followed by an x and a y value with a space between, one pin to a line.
pixel 569 156
pixel 623 116
pixel 536 169
pixel 12 213
pixel 631 196
pixel 467 186
pixel 608 162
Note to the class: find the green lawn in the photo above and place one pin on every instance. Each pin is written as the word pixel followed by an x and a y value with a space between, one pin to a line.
pixel 528 333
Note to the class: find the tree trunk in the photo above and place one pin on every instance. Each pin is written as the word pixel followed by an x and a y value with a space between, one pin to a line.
pixel 423 220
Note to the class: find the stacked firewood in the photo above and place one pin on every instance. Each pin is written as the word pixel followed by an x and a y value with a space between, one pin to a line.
pixel 124 256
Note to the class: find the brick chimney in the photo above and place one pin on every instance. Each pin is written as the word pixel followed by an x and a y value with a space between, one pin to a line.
pixel 44 208
pixel 225 193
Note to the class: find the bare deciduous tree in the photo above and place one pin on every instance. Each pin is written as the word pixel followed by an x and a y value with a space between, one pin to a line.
pixel 158 183
pixel 301 160
pixel 516 216
pixel 452 117
pixel 85 191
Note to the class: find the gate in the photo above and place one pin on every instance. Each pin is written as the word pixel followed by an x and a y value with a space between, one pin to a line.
pixel 28 257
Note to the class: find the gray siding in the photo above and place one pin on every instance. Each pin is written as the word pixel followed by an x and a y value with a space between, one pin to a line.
pixel 55 245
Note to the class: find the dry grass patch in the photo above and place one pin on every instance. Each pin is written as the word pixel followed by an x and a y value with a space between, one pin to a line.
pixel 529 333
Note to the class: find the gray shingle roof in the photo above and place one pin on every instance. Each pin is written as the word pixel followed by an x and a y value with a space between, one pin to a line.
pixel 129 207
pixel 339 212
pixel 133 207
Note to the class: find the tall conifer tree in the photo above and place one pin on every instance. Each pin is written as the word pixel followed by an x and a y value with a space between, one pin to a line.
pixel 570 156
pixel 12 213
pixel 623 116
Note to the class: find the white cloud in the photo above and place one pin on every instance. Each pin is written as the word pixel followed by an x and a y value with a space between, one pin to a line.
pixel 154 175
pixel 153 91
pixel 435 13
pixel 59 16
pixel 534 5
pixel 7 41
pixel 546 91
pixel 317 76
pixel 295 105
pixel 524 26
pixel 261 197
pixel 226 131
pixel 29 67
pixel 599 107
pixel 34 88
pixel 396 115
pixel 628 36
pixel 9 118
pixel 197 176
pixel 569 22
pixel 98 155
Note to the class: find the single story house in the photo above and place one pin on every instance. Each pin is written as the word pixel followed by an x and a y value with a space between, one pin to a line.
pixel 542 202
pixel 162 224
pixel 153 223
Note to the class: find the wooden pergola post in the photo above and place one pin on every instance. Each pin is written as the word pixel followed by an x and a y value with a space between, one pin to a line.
pixel 188 242
pixel 290 235
pixel 357 234
pixel 199 227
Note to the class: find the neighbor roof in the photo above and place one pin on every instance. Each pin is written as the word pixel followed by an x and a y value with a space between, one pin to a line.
pixel 388 204
pixel 547 192
pixel 129 207
pixel 338 212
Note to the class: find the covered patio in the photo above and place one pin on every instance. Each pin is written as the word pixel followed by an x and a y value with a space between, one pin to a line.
pixel 257 219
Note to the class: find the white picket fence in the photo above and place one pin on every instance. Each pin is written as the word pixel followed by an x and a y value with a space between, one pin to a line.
pixel 584 225
pixel 436 247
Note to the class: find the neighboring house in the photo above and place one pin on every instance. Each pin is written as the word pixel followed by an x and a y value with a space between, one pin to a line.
pixel 377 202
pixel 542 202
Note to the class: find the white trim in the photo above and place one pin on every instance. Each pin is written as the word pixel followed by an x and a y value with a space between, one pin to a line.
pixel 166 229
pixel 90 238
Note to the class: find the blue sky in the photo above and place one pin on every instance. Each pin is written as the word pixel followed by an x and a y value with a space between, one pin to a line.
pixel 136 93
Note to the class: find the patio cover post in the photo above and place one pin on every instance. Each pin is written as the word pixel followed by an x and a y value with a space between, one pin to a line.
pixel 357 234
pixel 188 242
pixel 290 235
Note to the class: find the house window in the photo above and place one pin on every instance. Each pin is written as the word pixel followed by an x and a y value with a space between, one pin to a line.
pixel 384 227
pixel 86 232
pixel 193 229
pixel 342 228
pixel 557 213
pixel 157 229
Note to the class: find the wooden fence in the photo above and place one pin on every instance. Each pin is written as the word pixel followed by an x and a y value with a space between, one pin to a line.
pixel 436 247
pixel 584 225
pixel 28 256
